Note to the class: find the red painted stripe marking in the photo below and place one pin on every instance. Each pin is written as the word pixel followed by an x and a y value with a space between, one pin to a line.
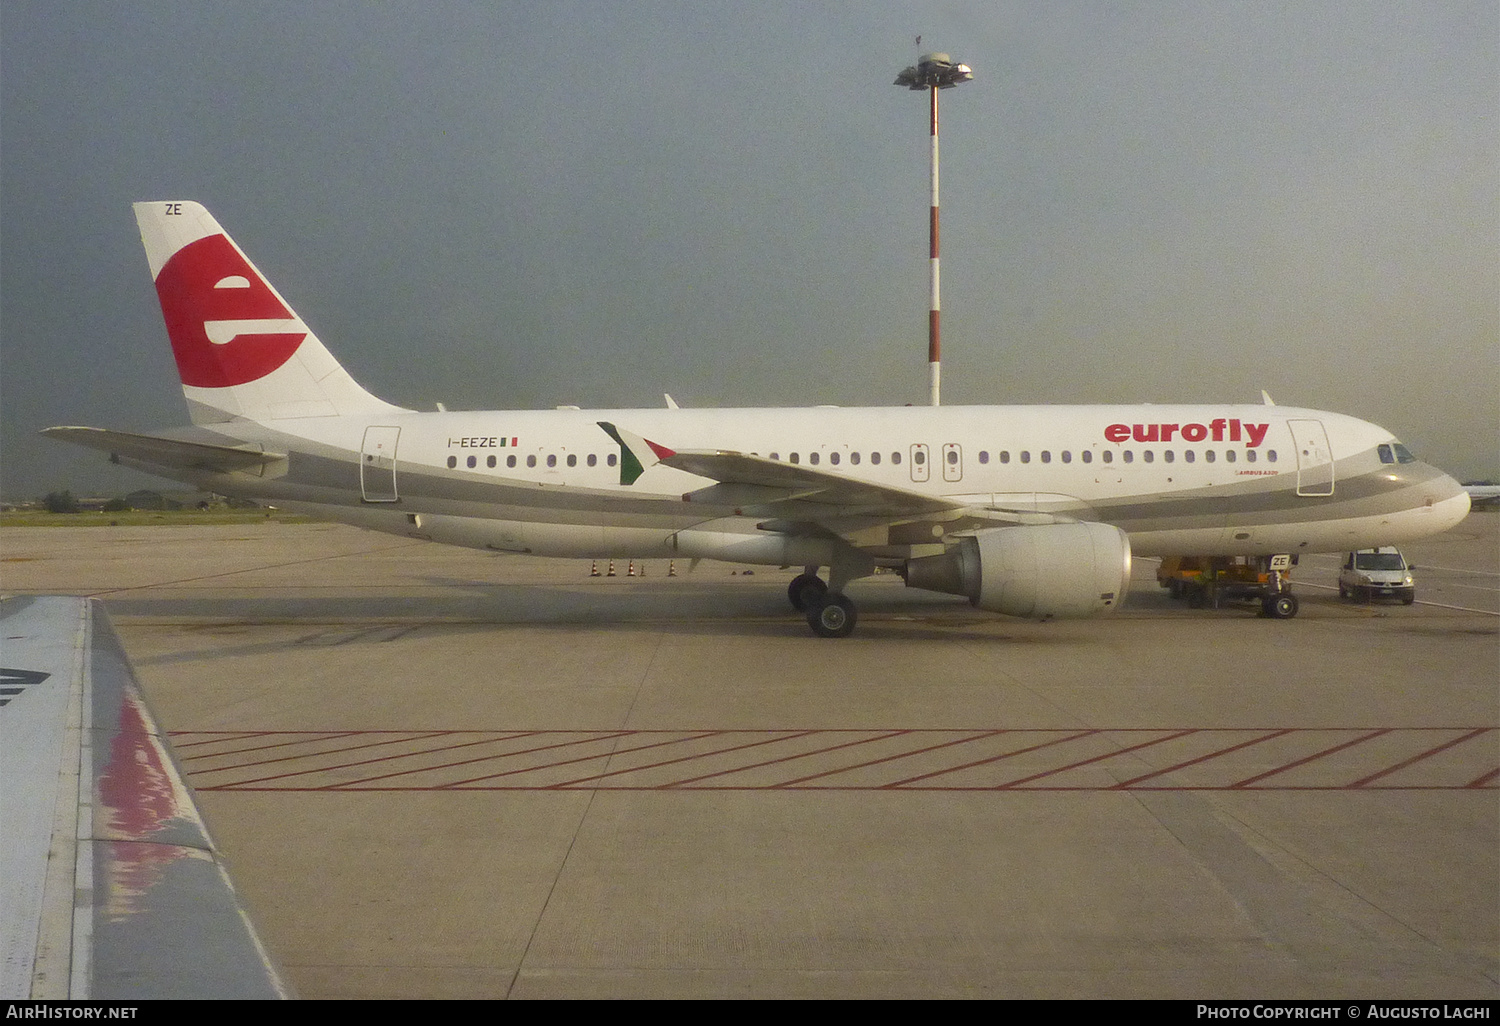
pixel 1419 757
pixel 884 758
pixel 1098 758
pixel 1202 758
pixel 232 735
pixel 302 755
pixel 358 762
pixel 809 753
pixel 990 759
pixel 358 784
pixel 684 758
pixel 1311 758
pixel 587 758
pixel 1484 780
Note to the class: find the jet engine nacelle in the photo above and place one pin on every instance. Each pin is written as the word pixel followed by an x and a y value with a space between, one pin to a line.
pixel 1041 571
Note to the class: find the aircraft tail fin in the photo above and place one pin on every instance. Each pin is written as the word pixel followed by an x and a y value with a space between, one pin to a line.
pixel 242 352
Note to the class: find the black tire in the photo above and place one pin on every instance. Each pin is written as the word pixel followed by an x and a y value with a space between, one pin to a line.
pixel 1281 607
pixel 832 617
pixel 1408 597
pixel 804 590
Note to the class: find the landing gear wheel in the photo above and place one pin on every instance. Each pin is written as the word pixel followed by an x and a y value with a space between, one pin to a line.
pixel 832 616
pixel 805 591
pixel 1282 606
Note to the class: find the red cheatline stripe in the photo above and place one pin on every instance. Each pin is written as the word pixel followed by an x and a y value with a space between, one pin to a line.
pixel 352 784
pixel 990 759
pixel 1098 758
pixel 685 758
pixel 358 762
pixel 1418 758
pixel 295 741
pixel 1202 758
pixel 586 758
pixel 1311 758
pixel 805 754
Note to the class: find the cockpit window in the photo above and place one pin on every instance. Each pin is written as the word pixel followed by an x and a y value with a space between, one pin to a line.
pixel 1385 454
pixel 1403 454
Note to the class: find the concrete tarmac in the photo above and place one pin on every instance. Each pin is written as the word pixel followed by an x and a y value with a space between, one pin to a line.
pixel 442 773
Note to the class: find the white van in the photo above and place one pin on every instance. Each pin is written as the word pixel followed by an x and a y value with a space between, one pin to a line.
pixel 1372 573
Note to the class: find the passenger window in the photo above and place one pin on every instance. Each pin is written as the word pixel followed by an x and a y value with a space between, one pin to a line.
pixel 490 462
pixel 1249 455
pixel 572 460
pixel 776 456
pixel 952 458
pixel 472 462
pixel 1025 455
pixel 1149 455
pixel 984 456
pixel 531 461
pixel 1229 456
pixel 1168 456
pixel 1208 456
pixel 452 462
pixel 1129 456
pixel 833 458
pixel 796 458
pixel 551 461
pixel 895 457
pixel 919 457
pixel 1109 455
pixel 1004 455
pixel 854 458
pixel 1187 456
pixel 875 458
pixel 1088 456
pixel 510 461
pixel 592 460
pixel 1067 457
pixel 812 458
pixel 610 459
pixel 1270 455
pixel 1046 456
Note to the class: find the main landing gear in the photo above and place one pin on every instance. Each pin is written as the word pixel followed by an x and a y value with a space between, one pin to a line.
pixel 830 614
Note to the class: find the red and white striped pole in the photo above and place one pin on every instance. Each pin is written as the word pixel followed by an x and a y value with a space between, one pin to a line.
pixel 932 72
pixel 934 309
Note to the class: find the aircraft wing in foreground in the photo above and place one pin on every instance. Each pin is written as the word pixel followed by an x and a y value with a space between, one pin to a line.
pixel 110 886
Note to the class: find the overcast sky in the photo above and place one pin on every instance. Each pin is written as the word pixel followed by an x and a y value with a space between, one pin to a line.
pixel 520 204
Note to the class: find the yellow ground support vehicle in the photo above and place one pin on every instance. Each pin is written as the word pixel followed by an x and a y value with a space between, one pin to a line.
pixel 1209 580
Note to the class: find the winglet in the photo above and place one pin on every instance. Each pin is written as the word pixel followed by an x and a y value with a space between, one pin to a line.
pixel 637 454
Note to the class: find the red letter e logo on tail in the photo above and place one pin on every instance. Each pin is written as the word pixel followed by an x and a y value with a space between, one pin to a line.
pixel 207 281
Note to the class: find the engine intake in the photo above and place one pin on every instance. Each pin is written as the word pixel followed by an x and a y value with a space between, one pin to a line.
pixel 1040 572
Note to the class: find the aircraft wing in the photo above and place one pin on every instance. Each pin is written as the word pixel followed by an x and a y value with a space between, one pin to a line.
pixel 800 499
pixel 110 887
pixel 166 452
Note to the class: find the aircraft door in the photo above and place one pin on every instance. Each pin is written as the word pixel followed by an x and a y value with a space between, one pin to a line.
pixel 953 461
pixel 377 464
pixel 920 470
pixel 1314 457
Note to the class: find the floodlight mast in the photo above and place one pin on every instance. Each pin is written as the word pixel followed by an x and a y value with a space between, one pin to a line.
pixel 934 71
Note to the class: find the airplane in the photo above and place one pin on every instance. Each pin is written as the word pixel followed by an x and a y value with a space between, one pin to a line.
pixel 1032 511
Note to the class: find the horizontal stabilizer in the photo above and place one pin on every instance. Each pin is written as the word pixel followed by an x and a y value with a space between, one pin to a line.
pixel 166 452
